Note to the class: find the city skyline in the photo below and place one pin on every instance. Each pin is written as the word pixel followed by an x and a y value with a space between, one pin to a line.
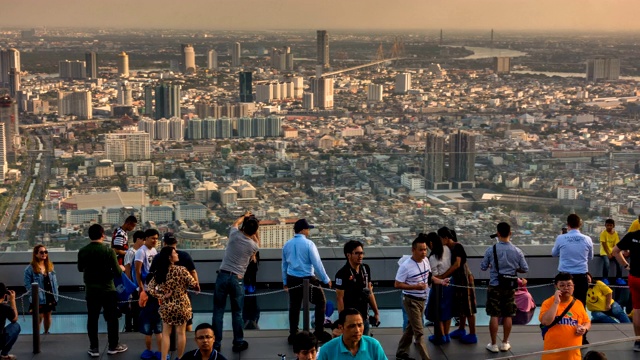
pixel 358 14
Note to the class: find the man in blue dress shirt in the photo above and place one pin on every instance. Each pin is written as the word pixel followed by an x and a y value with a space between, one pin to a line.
pixel 299 259
pixel 352 344
pixel 575 250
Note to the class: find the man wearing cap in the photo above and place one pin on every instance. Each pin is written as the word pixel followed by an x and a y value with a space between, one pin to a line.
pixel 8 334
pixel 299 259
pixel 184 259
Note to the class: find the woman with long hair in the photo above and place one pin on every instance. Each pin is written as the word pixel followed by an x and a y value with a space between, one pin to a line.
pixel 440 260
pixel 40 271
pixel 169 285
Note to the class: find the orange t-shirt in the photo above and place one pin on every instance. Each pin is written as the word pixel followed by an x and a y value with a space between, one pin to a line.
pixel 563 334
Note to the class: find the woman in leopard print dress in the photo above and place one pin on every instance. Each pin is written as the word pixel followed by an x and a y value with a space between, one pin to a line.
pixel 169 285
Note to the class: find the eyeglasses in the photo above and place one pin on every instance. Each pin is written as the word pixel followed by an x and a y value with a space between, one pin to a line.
pixel 43 252
pixel 564 286
pixel 358 253
pixel 204 337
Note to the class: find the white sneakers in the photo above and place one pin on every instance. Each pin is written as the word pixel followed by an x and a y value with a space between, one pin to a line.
pixel 505 346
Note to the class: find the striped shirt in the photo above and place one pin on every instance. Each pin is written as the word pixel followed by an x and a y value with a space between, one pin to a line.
pixel 412 272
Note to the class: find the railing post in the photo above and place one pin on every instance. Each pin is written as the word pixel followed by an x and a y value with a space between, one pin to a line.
pixel 305 304
pixel 35 301
pixel 437 294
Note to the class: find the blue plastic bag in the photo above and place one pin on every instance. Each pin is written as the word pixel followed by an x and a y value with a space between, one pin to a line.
pixel 124 287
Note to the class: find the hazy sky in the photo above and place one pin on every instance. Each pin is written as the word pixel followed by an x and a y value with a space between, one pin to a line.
pixel 614 15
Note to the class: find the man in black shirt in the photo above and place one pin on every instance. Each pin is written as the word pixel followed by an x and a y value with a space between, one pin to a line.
pixel 354 287
pixel 204 339
pixel 631 242
pixel 8 334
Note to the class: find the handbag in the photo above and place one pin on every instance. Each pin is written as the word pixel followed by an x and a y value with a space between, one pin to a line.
pixel 504 281
pixel 124 286
pixel 544 329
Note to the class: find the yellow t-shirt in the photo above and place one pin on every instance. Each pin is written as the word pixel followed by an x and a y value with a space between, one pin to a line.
pixel 563 334
pixel 635 226
pixel 609 239
pixel 597 295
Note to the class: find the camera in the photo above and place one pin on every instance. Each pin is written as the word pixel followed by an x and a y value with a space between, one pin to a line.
pixel 493 236
pixel 364 295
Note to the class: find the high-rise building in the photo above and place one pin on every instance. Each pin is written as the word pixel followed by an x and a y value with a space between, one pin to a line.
pixel 194 129
pixel 163 129
pixel 9 119
pixel 167 98
pixel 259 127
pixel 246 86
pixel 188 59
pixel 128 145
pixel 236 55
pixel 124 94
pixel 72 70
pixel 245 129
pixel 148 100
pixel 176 129
pixel 91 61
pixel 264 93
pixel 75 103
pixel 307 101
pixel 206 110
pixel 298 86
pixel 434 160
pixel 323 48
pixel 502 64
pixel 209 128
pixel 148 125
pixel 603 68
pixel 462 158
pixel 14 82
pixel 4 167
pixel 274 126
pixel 123 64
pixel 9 58
pixel 375 92
pixel 224 128
pixel 403 83
pixel 322 92
pixel 212 60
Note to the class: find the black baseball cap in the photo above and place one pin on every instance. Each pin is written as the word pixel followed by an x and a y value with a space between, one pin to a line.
pixel 169 238
pixel 301 225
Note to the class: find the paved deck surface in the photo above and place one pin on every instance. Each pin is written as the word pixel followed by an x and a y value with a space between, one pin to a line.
pixel 266 344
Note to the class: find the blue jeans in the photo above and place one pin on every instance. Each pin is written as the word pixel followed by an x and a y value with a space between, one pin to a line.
pixel 228 284
pixel 10 335
pixel 608 316
pixel 606 262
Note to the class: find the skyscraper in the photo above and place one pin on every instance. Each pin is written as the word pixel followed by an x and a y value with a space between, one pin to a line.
pixel 176 129
pixel 3 153
pixel 322 92
pixel 148 101
pixel 462 158
pixel 128 145
pixel 124 94
pixel 323 48
pixel 91 61
pixel 403 83
pixel 75 103
pixel 245 128
pixel 224 128
pixel 167 101
pixel 274 126
pixel 603 68
pixel 246 86
pixel 188 59
pixel 434 160
pixel 72 70
pixel 375 92
pixel 194 129
pixel 212 60
pixel 14 82
pixel 236 55
pixel 9 119
pixel 123 64
pixel 502 64
pixel 9 59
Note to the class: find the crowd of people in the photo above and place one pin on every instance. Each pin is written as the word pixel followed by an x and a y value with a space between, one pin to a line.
pixel 435 281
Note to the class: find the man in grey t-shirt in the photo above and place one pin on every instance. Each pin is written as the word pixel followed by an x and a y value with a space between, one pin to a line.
pixel 243 244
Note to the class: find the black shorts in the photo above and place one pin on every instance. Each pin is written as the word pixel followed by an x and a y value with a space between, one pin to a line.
pixel 501 302
pixel 43 308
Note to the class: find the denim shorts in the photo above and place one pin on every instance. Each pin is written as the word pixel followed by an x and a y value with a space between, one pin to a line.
pixel 150 321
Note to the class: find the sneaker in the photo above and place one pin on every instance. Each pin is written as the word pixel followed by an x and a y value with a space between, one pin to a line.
pixel 469 339
pixel 505 346
pixel 118 349
pixel 241 346
pixel 438 341
pixel 458 333
pixel 605 281
pixel 11 357
pixel 323 336
pixel 93 352
pixel 147 355
pixel 620 281
pixel 157 355
pixel 447 339
pixel 636 346
pixel 493 348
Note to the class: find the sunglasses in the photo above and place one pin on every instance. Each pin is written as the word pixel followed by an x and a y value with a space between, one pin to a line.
pixel 43 252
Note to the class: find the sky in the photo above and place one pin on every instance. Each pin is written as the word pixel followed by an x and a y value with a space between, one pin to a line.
pixel 546 15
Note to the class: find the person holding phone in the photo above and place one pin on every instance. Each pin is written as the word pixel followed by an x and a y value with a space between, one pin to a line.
pixel 8 311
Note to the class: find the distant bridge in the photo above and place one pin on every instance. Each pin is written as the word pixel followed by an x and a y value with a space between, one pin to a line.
pixel 374 63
